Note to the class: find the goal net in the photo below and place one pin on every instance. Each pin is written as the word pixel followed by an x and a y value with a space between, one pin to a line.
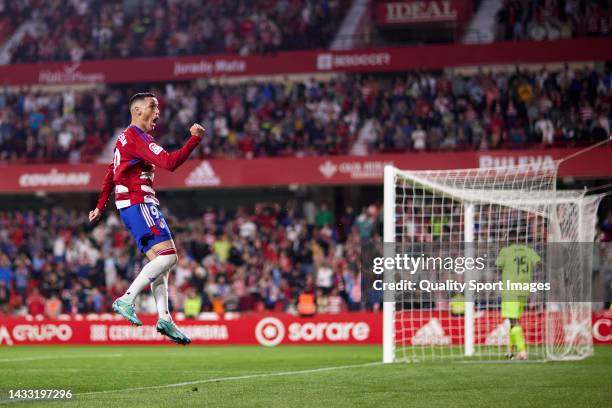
pixel 475 214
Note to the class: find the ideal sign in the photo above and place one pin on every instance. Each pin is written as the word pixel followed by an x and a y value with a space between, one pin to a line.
pixel 411 12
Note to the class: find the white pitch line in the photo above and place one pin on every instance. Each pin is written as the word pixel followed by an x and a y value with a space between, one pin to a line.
pixel 8 360
pixel 235 378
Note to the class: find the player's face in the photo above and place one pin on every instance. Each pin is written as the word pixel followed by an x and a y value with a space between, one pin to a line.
pixel 150 113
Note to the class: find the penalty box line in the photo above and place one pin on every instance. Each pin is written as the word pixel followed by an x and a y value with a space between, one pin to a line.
pixel 233 378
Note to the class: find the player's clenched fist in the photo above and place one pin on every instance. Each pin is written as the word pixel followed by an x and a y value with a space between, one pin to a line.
pixel 197 130
pixel 95 215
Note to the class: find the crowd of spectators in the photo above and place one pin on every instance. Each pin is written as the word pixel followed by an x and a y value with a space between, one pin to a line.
pixel 79 30
pixel 507 109
pixel 553 19
pixel 402 112
pixel 54 262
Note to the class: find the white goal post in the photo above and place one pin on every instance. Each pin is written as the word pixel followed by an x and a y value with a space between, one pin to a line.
pixel 454 212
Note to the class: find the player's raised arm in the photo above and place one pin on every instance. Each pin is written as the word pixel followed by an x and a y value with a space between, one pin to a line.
pixel 107 187
pixel 157 155
pixel 144 108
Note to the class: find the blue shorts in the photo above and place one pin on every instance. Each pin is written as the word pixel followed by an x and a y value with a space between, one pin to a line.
pixel 147 225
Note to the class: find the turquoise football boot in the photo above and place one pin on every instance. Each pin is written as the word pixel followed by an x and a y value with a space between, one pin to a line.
pixel 126 310
pixel 169 329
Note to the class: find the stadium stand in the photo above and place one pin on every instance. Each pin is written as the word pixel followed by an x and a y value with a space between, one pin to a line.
pixel 82 30
pixel 552 20
pixel 485 21
pixel 352 114
pixel 52 262
pixel 91 30
pixel 259 260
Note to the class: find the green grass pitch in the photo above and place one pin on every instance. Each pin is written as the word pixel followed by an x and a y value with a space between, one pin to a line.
pixel 295 376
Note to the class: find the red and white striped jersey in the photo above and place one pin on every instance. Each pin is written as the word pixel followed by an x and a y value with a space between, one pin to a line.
pixel 132 171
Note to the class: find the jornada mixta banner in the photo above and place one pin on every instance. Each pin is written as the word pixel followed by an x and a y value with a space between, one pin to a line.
pixel 299 62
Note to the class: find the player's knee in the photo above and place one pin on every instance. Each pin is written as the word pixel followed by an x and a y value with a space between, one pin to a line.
pixel 171 260
pixel 170 257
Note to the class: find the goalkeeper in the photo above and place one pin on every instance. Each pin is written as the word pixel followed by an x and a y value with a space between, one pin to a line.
pixel 517 262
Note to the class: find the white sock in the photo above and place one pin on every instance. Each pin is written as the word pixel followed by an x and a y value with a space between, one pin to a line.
pixel 148 275
pixel 160 293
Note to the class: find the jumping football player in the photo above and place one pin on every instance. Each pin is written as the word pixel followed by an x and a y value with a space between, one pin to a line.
pixel 516 261
pixel 131 175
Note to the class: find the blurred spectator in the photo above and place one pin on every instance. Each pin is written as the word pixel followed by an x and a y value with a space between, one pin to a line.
pixel 5 297
pixel 222 247
pixel 325 278
pixel 193 304
pixel 335 304
pixel 35 303
pixel 6 270
pixel 546 129
pixel 324 217
pixel 307 306
pixel 321 302
pixel 53 307
pixel 353 286
pixel 419 138
pixel 365 224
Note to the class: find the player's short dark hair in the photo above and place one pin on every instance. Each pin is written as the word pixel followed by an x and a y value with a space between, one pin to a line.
pixel 140 97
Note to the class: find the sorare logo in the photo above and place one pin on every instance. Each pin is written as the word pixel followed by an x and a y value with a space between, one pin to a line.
pixel 270 331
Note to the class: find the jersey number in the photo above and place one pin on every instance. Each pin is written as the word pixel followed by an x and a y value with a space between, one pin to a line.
pixel 521 265
pixel 116 160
